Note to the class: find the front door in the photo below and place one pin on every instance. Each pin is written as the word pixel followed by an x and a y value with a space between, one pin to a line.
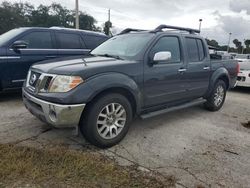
pixel 163 81
pixel 39 47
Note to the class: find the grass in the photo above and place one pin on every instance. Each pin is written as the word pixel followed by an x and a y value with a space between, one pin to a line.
pixel 62 167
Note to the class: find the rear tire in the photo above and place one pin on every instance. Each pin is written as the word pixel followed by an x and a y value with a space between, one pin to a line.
pixel 216 99
pixel 106 121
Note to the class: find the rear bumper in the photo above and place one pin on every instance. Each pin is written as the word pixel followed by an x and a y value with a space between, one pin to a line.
pixel 243 79
pixel 56 115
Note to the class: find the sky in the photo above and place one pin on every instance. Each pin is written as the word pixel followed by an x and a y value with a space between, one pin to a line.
pixel 219 17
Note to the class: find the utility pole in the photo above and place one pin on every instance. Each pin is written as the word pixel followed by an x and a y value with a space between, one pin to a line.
pixel 77 15
pixel 200 20
pixel 243 46
pixel 228 46
pixel 109 22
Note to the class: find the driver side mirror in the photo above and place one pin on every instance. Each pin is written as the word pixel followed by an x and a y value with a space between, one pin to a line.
pixel 162 56
pixel 19 44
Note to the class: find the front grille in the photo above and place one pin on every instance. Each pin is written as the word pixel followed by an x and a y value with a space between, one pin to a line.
pixel 39 82
pixel 34 77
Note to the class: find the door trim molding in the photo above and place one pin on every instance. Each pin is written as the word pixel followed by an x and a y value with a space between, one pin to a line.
pixel 15 81
pixel 10 57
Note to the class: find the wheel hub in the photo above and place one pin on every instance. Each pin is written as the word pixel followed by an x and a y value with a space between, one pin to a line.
pixel 219 95
pixel 111 120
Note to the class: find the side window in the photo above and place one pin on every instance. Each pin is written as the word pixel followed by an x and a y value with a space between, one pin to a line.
pixel 170 44
pixel 69 41
pixel 193 52
pixel 92 41
pixel 38 40
pixel 201 49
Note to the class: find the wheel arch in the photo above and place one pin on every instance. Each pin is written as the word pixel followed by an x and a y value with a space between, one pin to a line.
pixel 219 74
pixel 115 83
pixel 119 90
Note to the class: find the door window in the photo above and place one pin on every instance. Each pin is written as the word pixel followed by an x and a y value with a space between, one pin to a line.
pixel 195 49
pixel 201 49
pixel 38 40
pixel 170 44
pixel 69 41
pixel 93 41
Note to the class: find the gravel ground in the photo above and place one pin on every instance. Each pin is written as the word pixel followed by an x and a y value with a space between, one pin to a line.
pixel 197 147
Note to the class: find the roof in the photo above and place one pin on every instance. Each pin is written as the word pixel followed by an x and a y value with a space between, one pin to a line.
pixel 67 29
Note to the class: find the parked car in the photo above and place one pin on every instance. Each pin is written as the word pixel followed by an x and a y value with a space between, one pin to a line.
pixel 22 47
pixel 136 73
pixel 243 58
pixel 243 78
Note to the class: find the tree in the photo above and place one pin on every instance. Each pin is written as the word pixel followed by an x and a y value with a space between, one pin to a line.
pixel 238 45
pixel 212 42
pixel 87 22
pixel 23 14
pixel 14 15
pixel 107 26
pixel 247 43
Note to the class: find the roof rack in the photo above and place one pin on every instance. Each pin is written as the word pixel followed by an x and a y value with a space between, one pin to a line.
pixel 130 30
pixel 160 27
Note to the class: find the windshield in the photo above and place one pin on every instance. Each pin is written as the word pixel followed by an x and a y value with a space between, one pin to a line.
pixel 125 46
pixel 242 56
pixel 9 35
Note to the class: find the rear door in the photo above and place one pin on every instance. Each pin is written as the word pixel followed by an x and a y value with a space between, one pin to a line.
pixel 70 44
pixel 40 47
pixel 198 68
pixel 163 81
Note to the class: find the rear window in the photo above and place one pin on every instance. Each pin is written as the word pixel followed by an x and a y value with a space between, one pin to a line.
pixel 195 49
pixel 69 41
pixel 93 41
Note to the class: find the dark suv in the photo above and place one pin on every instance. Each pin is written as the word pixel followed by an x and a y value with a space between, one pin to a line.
pixel 20 48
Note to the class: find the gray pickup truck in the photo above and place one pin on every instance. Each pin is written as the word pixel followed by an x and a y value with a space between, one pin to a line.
pixel 136 73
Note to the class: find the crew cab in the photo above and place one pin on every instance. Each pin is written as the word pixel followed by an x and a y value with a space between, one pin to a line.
pixel 136 73
pixel 22 47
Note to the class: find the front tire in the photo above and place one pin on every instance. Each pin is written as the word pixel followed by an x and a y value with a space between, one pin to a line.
pixel 216 99
pixel 107 120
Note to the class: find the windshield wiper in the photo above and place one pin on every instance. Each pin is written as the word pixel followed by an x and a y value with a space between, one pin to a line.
pixel 109 55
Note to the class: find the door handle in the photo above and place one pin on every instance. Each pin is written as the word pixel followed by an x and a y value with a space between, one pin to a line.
pixel 51 56
pixel 206 68
pixel 181 70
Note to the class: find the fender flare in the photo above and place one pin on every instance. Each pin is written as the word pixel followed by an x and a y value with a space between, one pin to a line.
pixel 109 81
pixel 219 73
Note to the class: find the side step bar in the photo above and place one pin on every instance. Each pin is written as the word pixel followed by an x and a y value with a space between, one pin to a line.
pixel 174 108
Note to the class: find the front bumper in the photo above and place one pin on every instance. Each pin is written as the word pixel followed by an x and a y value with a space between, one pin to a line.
pixel 56 115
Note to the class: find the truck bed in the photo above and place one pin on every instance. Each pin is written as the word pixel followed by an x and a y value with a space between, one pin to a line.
pixel 230 65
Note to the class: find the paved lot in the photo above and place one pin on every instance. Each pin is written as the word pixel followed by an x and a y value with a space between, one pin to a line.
pixel 195 146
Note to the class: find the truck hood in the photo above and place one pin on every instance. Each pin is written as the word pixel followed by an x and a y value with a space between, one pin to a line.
pixel 86 66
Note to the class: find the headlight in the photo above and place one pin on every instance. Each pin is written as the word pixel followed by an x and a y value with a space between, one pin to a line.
pixel 64 83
